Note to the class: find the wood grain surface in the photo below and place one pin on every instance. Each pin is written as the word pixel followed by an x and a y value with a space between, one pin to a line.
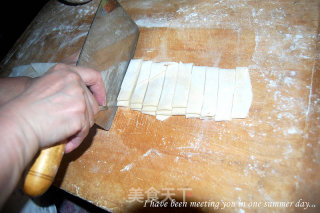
pixel 272 156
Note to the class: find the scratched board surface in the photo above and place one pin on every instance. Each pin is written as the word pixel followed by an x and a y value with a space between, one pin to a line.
pixel 271 156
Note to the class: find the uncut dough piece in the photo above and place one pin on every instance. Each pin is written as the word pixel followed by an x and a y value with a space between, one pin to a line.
pixel 141 86
pixel 129 82
pixel 195 99
pixel 181 93
pixel 165 103
pixel 23 70
pixel 225 94
pixel 32 70
pixel 42 68
pixel 156 79
pixel 242 97
pixel 210 93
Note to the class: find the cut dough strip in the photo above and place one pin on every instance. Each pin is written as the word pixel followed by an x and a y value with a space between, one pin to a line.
pixel 196 92
pixel 181 93
pixel 209 105
pixel 129 83
pixel 141 86
pixel 151 100
pixel 242 97
pixel 225 94
pixel 165 103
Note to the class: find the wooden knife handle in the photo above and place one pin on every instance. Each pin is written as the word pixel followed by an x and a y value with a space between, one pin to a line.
pixel 43 171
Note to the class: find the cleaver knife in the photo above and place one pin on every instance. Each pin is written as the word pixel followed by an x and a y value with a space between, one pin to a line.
pixel 108 48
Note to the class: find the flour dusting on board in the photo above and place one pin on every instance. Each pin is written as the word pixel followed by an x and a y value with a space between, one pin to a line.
pixel 152 152
pixel 63 30
pixel 281 64
pixel 127 167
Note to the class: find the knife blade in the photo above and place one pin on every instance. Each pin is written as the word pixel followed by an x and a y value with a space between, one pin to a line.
pixel 108 48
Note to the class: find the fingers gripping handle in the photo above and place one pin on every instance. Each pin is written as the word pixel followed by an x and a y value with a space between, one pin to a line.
pixel 43 171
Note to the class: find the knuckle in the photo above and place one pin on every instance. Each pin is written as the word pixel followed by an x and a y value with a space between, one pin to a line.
pixel 59 67
pixel 81 107
pixel 77 91
pixel 76 126
pixel 78 122
pixel 72 76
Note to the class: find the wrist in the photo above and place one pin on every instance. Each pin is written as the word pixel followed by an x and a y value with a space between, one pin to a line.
pixel 12 87
pixel 15 152
pixel 17 136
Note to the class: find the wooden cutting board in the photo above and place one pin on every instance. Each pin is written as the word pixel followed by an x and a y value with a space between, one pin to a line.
pixel 271 156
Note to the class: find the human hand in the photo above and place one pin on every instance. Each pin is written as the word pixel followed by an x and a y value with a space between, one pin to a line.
pixel 59 105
